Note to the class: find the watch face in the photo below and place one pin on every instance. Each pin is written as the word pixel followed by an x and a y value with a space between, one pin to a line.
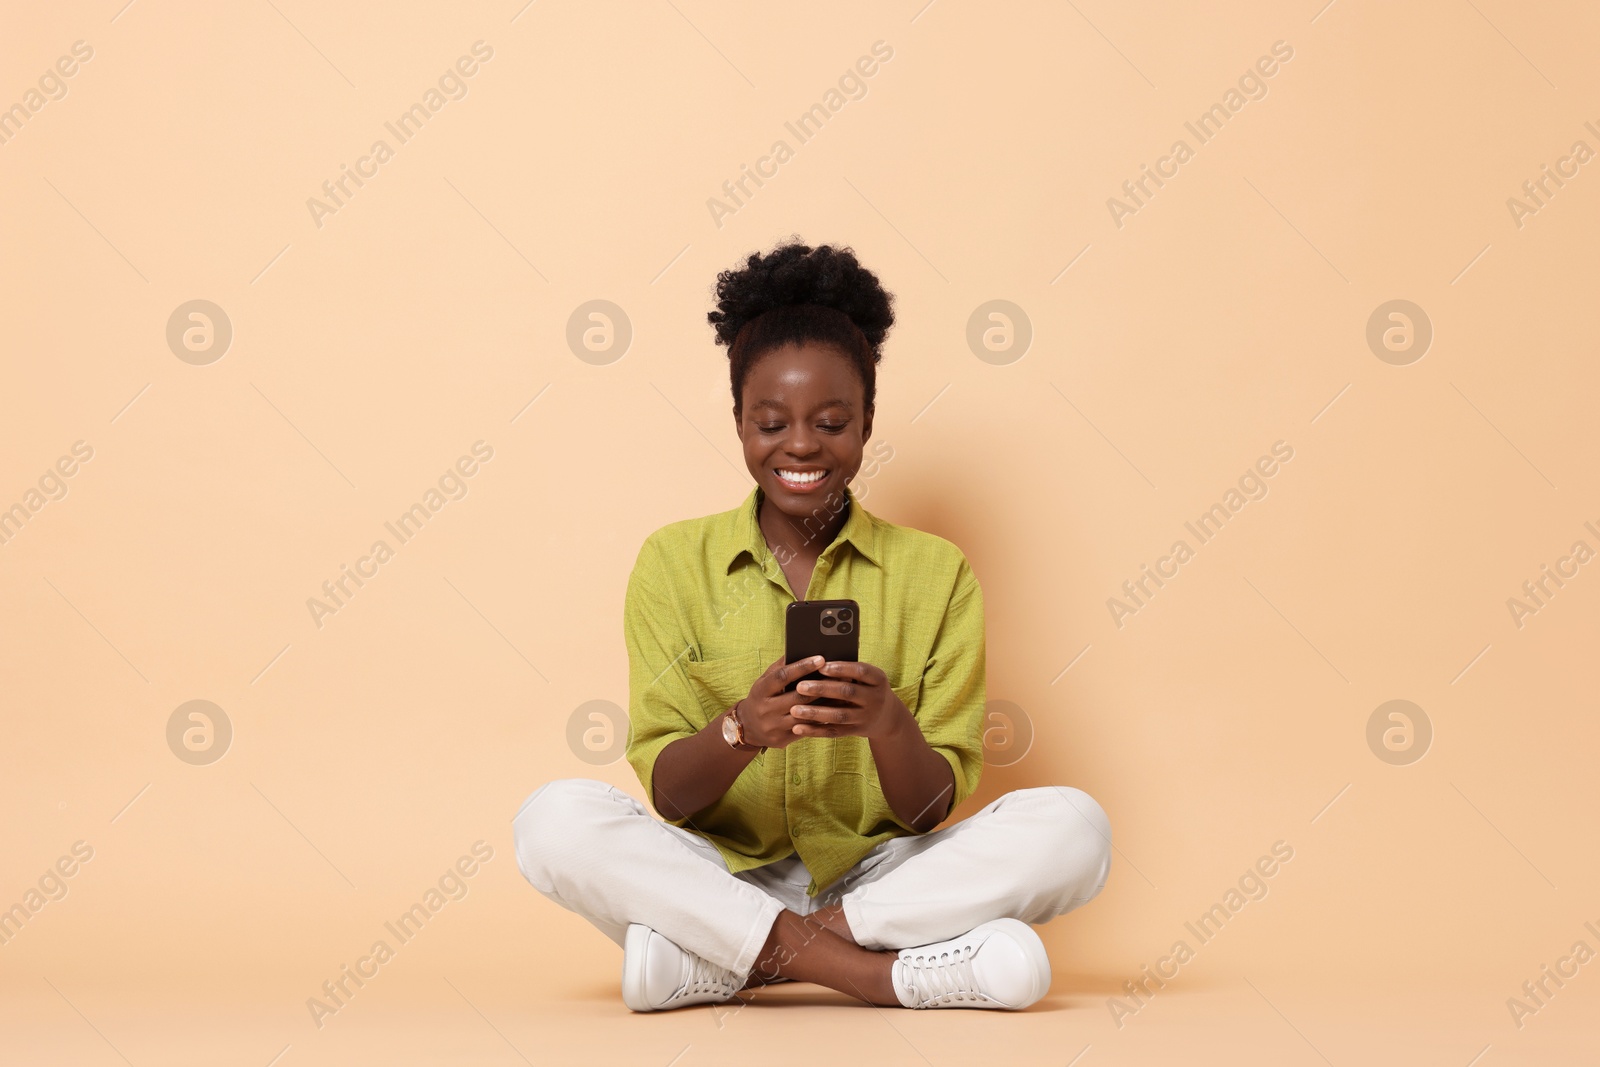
pixel 730 732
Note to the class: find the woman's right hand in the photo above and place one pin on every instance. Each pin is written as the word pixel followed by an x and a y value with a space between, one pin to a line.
pixel 764 713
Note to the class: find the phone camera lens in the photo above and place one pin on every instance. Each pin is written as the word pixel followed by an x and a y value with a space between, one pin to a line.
pixel 844 613
pixel 844 627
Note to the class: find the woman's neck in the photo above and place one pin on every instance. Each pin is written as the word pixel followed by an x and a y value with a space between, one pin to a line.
pixel 784 531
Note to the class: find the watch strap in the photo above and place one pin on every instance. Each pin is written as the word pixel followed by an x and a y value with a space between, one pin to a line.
pixel 738 727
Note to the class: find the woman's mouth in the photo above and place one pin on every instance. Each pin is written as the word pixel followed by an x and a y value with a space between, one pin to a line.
pixel 798 480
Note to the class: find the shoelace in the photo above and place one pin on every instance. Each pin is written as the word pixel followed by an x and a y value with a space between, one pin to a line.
pixel 707 977
pixel 942 978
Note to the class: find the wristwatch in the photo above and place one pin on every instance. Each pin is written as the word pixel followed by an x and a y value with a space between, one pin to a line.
pixel 733 732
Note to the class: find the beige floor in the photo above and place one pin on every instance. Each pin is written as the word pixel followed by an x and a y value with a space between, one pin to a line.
pixel 457 1019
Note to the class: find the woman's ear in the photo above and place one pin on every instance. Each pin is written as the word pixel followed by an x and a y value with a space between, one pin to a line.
pixel 866 426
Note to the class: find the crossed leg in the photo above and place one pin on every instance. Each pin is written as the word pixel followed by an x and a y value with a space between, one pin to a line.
pixel 1032 854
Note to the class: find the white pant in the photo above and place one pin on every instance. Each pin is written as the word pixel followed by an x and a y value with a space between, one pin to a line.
pixel 1031 855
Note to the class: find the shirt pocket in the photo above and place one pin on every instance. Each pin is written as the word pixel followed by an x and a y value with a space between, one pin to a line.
pixel 719 684
pixel 853 755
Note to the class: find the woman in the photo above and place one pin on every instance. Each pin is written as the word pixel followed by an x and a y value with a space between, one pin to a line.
pixel 798 839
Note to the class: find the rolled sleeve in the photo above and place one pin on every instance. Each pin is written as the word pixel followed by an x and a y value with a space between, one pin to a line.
pixel 950 712
pixel 658 686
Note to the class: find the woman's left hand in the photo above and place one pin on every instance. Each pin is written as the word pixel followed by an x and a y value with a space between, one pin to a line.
pixel 867 706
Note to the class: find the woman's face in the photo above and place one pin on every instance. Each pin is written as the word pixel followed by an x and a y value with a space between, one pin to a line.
pixel 803 426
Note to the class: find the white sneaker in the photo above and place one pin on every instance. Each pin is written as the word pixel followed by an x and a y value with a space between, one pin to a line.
pixel 657 974
pixel 1001 964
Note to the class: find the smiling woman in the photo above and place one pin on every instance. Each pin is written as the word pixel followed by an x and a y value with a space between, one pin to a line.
pixel 797 838
pixel 804 328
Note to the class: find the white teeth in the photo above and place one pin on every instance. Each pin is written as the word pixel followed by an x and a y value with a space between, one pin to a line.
pixel 802 478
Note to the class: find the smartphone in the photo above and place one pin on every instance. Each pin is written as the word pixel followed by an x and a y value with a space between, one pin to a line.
pixel 829 628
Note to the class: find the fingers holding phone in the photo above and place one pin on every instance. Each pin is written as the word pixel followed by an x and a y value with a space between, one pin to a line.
pixel 859 702
pixel 764 713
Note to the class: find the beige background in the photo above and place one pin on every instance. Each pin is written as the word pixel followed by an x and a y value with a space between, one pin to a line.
pixel 369 353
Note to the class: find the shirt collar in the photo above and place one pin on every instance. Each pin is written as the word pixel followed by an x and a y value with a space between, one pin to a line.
pixel 859 530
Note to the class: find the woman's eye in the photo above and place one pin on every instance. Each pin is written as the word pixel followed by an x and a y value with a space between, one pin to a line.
pixel 830 427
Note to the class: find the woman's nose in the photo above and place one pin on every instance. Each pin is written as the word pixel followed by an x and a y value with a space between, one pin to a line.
pixel 801 443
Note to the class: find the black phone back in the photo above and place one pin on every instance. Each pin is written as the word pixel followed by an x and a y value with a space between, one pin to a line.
pixel 829 628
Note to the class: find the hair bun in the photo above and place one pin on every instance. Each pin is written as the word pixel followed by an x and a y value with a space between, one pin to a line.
pixel 795 273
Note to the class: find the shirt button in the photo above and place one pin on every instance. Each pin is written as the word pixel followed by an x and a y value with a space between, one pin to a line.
pixel 796 777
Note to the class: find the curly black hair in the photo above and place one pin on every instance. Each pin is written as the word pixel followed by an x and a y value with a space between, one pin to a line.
pixel 796 294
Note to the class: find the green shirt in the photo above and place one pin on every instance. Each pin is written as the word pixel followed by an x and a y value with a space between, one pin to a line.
pixel 704 617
